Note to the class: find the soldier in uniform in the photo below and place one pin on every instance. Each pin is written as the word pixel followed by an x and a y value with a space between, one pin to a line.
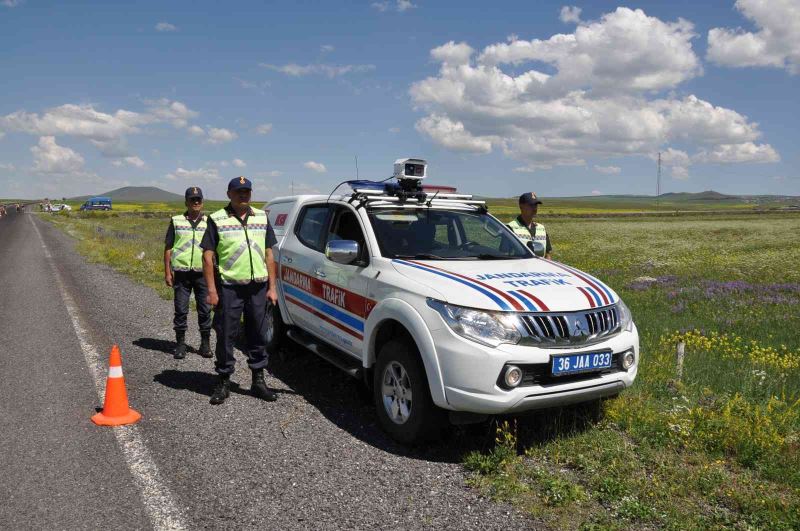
pixel 241 239
pixel 183 271
pixel 526 228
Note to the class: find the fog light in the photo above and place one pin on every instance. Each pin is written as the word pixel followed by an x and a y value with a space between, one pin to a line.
pixel 627 360
pixel 512 376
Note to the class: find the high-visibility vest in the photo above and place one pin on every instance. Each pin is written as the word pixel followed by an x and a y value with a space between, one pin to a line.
pixel 524 233
pixel 240 251
pixel 186 252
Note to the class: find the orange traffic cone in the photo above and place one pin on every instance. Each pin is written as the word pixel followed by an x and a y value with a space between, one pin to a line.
pixel 115 408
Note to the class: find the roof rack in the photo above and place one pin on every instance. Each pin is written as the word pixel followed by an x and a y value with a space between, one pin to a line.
pixel 387 195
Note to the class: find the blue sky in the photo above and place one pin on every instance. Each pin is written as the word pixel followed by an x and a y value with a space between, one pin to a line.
pixel 500 97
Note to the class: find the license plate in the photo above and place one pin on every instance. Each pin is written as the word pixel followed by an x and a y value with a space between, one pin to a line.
pixel 588 361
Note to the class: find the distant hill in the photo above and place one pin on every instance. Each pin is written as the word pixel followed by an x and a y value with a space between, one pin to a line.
pixel 137 194
pixel 708 195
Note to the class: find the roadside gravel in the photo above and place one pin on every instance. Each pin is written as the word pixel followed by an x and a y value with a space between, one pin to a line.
pixel 316 458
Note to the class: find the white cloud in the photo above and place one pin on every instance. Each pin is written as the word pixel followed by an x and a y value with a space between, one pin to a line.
pixel 203 174
pixel 597 192
pixel 315 166
pixel 196 130
pixel 736 153
pixel 7 167
pixel 173 112
pixel 275 173
pixel 326 48
pixel 11 3
pixel 166 26
pixel 331 71
pixel 49 157
pixel 453 54
pixel 624 50
pixel 570 14
pixel 608 170
pixel 135 162
pixel 608 94
pixel 399 5
pixel 452 135
pixel 680 172
pixel 76 120
pixel 405 5
pixel 394 130
pixel 220 135
pixel 775 44
pixel 239 163
pixel 264 129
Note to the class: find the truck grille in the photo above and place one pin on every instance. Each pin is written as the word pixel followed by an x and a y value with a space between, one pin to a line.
pixel 569 329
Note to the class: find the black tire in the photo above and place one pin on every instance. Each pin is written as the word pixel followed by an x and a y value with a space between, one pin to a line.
pixel 276 329
pixel 424 421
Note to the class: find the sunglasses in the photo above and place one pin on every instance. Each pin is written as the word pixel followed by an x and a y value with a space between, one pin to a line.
pixel 196 200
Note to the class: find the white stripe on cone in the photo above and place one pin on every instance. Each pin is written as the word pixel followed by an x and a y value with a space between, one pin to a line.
pixel 115 372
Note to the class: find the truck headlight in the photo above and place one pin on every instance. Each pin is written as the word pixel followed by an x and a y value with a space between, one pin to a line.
pixel 625 317
pixel 489 328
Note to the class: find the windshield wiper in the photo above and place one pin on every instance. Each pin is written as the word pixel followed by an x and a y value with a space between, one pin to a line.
pixel 488 256
pixel 421 256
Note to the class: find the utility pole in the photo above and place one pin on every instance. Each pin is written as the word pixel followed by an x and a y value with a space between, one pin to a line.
pixel 658 181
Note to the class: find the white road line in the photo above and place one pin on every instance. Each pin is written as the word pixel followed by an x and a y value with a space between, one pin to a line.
pixel 158 501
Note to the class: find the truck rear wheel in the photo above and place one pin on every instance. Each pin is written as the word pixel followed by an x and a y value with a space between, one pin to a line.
pixel 276 328
pixel 402 398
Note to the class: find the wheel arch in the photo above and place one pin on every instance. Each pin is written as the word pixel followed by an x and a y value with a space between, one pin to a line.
pixel 394 318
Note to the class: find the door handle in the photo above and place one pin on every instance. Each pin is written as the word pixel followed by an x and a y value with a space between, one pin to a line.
pixel 319 273
pixel 287 259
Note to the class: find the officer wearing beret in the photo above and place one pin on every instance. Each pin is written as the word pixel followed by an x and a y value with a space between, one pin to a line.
pixel 526 228
pixel 240 238
pixel 183 271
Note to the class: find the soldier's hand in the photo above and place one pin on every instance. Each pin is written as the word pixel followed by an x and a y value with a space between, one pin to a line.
pixel 212 298
pixel 168 279
pixel 272 295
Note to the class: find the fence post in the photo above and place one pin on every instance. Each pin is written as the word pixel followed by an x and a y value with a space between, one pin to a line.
pixel 681 351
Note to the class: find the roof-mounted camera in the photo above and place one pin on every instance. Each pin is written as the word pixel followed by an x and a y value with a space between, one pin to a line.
pixel 409 174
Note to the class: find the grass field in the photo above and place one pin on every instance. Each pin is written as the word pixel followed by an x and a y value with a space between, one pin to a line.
pixel 718 449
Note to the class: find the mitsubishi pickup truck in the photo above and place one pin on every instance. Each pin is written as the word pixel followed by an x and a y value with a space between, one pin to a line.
pixel 439 308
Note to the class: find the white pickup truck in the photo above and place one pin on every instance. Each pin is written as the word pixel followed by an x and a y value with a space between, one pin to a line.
pixel 440 308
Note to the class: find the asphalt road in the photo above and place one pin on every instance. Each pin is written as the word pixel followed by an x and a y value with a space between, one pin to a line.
pixel 315 459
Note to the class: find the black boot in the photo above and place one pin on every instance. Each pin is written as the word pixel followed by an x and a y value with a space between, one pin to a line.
pixel 205 344
pixel 222 390
pixel 260 389
pixel 180 349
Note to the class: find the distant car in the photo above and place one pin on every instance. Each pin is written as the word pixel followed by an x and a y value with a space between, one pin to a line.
pixel 97 203
pixel 60 207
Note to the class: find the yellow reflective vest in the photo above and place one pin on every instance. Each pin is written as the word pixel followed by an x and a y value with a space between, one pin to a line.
pixel 240 250
pixel 186 252
pixel 524 233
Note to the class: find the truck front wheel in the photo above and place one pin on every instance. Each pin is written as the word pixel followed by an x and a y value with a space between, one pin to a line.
pixel 402 398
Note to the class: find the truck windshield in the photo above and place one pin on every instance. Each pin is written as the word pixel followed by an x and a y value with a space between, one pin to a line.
pixel 444 235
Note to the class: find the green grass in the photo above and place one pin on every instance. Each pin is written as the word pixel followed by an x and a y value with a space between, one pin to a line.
pixel 718 449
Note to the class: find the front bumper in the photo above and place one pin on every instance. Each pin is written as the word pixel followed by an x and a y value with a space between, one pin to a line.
pixel 470 374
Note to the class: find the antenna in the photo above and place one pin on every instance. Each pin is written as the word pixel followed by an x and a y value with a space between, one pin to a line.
pixel 658 180
pixel 356 167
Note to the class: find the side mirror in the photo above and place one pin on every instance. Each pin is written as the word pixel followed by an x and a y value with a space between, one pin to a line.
pixel 342 251
pixel 536 247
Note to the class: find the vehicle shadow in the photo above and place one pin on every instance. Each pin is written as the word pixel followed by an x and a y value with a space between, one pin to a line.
pixel 346 403
pixel 198 382
pixel 160 345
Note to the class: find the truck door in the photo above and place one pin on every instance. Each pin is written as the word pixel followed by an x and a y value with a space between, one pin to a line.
pixel 301 254
pixel 344 287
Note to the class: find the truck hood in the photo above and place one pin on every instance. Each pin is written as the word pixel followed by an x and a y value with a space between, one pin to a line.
pixel 528 285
